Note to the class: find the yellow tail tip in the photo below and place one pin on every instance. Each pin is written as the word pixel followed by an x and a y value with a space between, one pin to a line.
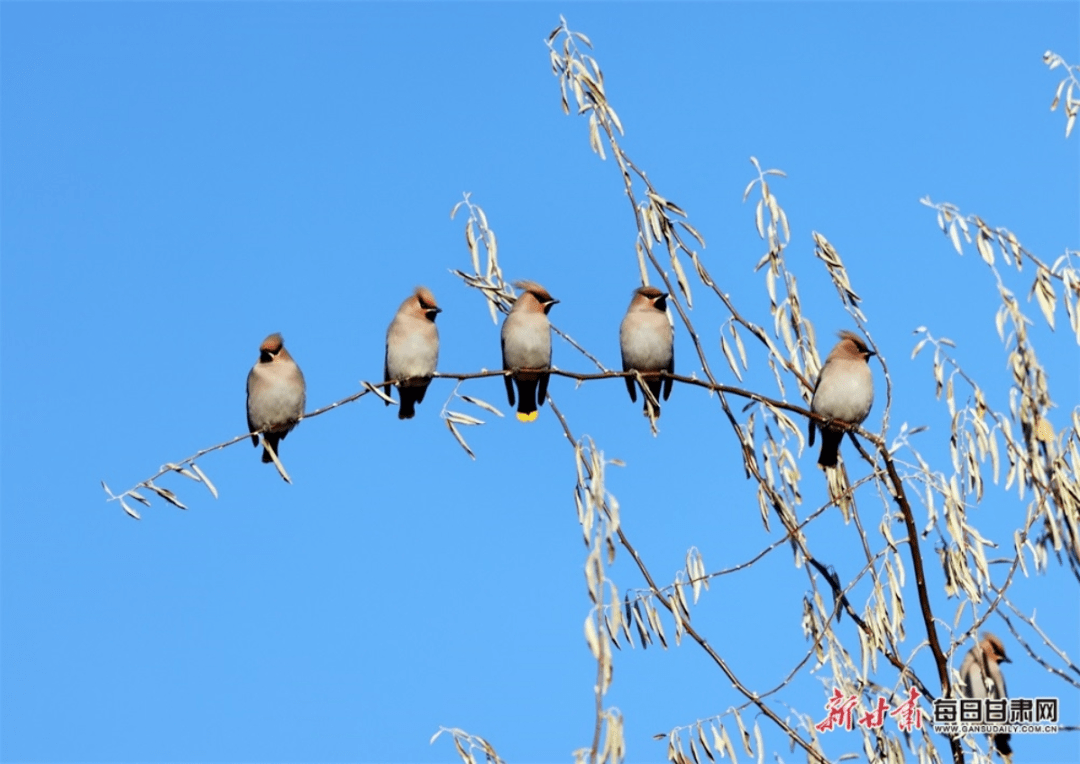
pixel 530 417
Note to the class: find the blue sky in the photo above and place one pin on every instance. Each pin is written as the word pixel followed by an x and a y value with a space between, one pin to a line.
pixel 180 179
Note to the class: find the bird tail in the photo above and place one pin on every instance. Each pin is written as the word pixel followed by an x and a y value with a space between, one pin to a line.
pixel 830 447
pixel 410 396
pixel 526 395
pixel 1001 743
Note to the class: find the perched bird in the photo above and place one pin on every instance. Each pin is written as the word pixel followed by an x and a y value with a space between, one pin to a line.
pixel 412 349
pixel 526 348
pixel 845 392
pixel 275 394
pixel 981 672
pixel 647 339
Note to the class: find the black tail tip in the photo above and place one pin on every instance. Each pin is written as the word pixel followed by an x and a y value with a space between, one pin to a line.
pixel 1001 743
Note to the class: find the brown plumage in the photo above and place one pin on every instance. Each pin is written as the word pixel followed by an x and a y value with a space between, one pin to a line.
pixel 275 394
pixel 647 342
pixel 981 673
pixel 526 348
pixel 412 349
pixel 844 392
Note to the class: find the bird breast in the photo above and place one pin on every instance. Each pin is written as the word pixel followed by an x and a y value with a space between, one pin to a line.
pixel 845 393
pixel 275 394
pixel 526 339
pixel 412 351
pixel 646 340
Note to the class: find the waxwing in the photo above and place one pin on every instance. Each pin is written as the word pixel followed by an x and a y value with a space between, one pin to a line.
pixel 647 340
pixel 526 348
pixel 981 673
pixel 275 394
pixel 412 349
pixel 845 392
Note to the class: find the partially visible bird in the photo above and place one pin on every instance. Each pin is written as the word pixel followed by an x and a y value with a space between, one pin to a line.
pixel 526 348
pixel 412 349
pixel 844 392
pixel 275 394
pixel 981 672
pixel 647 340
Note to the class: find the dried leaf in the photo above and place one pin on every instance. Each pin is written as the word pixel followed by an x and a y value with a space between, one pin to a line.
pixel 745 735
pixel 749 188
pixel 654 224
pixel 1044 293
pixel 684 284
pixel 460 439
pixel 458 418
pixel 482 404
pixel 594 136
pixel 470 241
pixel 129 510
pixel 729 356
pixel 186 473
pixel 985 249
pixel 166 494
pixel 277 462
pixel 205 479
pixel 954 234
pixel 704 743
pixel 591 638
pixel 693 232
pixel 372 389
pixel 138 497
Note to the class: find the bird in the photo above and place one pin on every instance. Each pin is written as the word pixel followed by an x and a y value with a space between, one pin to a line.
pixel 981 672
pixel 526 348
pixel 412 349
pixel 647 341
pixel 275 394
pixel 844 392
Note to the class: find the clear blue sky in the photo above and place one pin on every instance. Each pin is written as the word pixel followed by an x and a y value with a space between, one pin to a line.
pixel 181 179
